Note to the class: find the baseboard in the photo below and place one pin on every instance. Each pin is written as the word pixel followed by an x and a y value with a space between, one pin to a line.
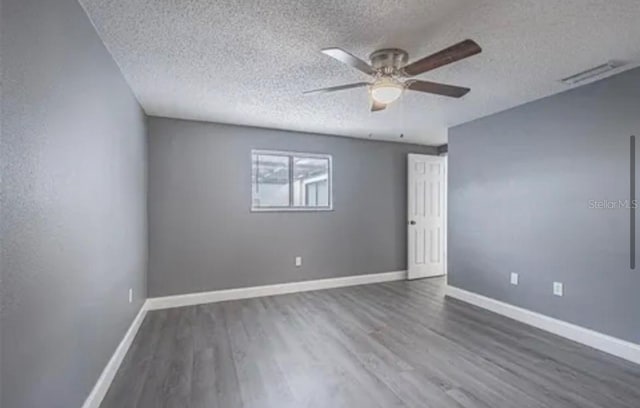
pixel 104 381
pixel 270 290
pixel 608 344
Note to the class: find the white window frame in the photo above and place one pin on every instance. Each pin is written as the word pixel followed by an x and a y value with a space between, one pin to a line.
pixel 291 155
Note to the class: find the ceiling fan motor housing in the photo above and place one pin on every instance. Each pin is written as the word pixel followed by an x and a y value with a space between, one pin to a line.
pixel 389 60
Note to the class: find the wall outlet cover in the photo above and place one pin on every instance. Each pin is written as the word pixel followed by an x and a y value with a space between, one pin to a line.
pixel 298 261
pixel 130 295
pixel 514 278
pixel 558 288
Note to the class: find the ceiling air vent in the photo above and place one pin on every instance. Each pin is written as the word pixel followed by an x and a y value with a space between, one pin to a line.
pixel 591 73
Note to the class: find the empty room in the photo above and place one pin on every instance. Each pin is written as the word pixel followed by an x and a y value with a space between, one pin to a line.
pixel 319 204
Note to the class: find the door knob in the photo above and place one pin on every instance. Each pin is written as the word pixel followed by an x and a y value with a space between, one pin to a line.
pixel 412 222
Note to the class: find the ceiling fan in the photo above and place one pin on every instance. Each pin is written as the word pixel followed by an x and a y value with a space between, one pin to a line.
pixel 389 67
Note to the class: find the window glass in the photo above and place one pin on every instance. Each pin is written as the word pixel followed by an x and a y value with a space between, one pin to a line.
pixel 310 178
pixel 270 185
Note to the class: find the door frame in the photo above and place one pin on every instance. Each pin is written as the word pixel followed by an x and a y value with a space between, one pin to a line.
pixel 445 239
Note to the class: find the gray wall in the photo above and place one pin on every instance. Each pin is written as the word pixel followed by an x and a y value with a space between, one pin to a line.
pixel 73 221
pixel 519 188
pixel 1 207
pixel 203 237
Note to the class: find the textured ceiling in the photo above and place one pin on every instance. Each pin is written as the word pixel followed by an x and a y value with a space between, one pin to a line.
pixel 248 61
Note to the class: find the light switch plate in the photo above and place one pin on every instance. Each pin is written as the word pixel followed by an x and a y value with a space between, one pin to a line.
pixel 298 261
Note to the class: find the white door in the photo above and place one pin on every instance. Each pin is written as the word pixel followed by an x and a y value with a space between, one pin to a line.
pixel 427 216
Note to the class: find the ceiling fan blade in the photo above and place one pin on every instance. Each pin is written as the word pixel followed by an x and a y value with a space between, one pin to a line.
pixel 454 53
pixel 349 59
pixel 336 88
pixel 377 106
pixel 437 88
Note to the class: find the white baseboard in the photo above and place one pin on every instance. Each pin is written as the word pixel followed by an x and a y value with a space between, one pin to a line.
pixel 270 290
pixel 608 344
pixel 104 381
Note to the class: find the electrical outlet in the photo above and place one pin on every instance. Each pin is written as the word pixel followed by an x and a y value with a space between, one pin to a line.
pixel 130 295
pixel 298 261
pixel 514 278
pixel 558 288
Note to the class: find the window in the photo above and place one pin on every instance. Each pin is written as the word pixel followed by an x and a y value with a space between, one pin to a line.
pixel 288 181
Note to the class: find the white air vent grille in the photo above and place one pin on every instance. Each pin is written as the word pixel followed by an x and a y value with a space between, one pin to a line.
pixel 592 73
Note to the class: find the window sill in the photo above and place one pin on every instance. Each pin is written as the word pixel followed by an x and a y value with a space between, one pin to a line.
pixel 291 209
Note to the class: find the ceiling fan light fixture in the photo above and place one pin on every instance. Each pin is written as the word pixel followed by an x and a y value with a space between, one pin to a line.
pixel 386 90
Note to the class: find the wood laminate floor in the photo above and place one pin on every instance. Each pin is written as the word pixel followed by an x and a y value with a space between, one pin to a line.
pixel 398 344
